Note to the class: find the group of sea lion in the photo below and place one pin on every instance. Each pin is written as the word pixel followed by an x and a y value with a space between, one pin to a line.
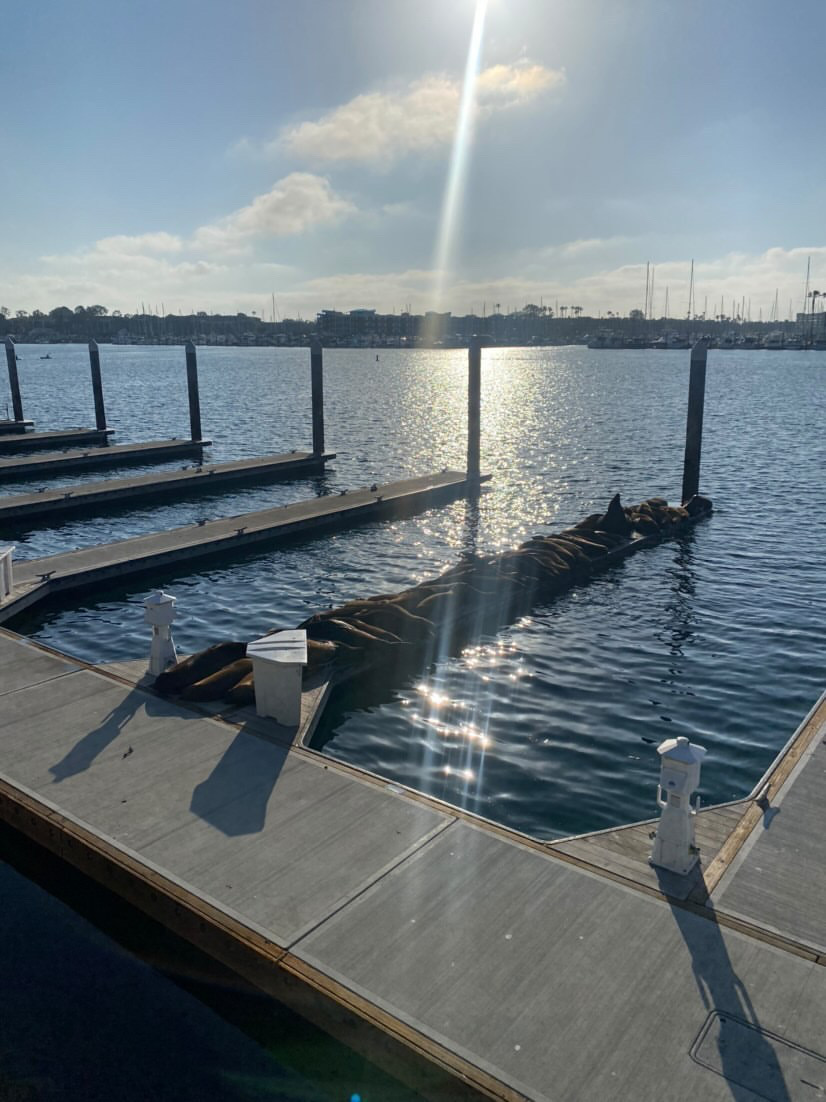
pixel 481 593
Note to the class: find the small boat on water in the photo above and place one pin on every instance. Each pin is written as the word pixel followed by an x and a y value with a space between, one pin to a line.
pixel 48 356
pixel 671 340
pixel 605 338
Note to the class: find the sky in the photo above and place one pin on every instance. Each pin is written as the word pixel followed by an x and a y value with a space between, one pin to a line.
pixel 443 154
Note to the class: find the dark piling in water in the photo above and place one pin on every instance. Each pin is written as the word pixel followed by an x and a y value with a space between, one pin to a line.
pixel 97 386
pixel 192 388
pixel 694 421
pixel 474 403
pixel 317 385
pixel 14 382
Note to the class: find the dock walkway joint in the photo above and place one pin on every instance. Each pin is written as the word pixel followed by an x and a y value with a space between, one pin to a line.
pixel 497 968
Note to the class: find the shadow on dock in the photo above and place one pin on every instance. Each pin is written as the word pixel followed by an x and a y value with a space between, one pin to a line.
pixel 235 795
pixel 732 1042
pixel 83 753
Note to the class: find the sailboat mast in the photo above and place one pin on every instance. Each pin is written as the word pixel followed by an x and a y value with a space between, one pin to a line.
pixel 690 292
pixel 645 307
pixel 650 312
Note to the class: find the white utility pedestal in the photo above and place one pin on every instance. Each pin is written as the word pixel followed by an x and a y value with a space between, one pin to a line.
pixel 159 611
pixel 674 846
pixel 6 573
pixel 278 660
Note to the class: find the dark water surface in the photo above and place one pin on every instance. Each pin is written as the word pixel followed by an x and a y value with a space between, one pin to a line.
pixel 136 1015
pixel 549 726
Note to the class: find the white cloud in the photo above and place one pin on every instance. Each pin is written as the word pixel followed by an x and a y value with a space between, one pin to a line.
pixel 380 127
pixel 590 245
pixel 127 245
pixel 121 269
pixel 119 281
pixel 616 287
pixel 294 204
pixel 512 85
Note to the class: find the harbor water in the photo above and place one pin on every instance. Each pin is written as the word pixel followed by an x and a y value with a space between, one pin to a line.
pixel 550 725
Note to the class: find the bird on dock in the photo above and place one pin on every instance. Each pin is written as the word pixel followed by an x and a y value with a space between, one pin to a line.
pixel 373 488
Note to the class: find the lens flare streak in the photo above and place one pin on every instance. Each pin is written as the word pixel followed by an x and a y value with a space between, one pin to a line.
pixel 459 156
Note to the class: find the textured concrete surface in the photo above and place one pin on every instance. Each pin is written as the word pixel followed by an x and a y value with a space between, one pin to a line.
pixel 778 879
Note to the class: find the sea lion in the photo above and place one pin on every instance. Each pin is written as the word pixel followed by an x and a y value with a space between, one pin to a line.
pixel 614 518
pixel 404 623
pixel 589 546
pixel 198 666
pixel 590 523
pixel 342 631
pixel 569 551
pixel 320 652
pixel 242 694
pixel 647 526
pixel 380 633
pixel 217 684
pixel 698 504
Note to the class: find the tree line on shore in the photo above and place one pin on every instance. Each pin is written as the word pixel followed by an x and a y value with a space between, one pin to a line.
pixel 530 324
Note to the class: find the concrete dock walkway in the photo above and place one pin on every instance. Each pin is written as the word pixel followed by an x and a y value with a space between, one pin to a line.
pixel 115 455
pixel 473 961
pixel 38 579
pixel 15 427
pixel 49 505
pixel 53 438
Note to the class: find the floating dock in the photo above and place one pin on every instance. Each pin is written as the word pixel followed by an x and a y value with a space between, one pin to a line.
pixel 38 579
pixel 115 455
pixel 56 438
pixel 18 427
pixel 50 505
pixel 470 961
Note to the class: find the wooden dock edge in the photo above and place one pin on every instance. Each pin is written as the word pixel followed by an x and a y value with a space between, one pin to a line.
pixel 400 1050
pixel 764 791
